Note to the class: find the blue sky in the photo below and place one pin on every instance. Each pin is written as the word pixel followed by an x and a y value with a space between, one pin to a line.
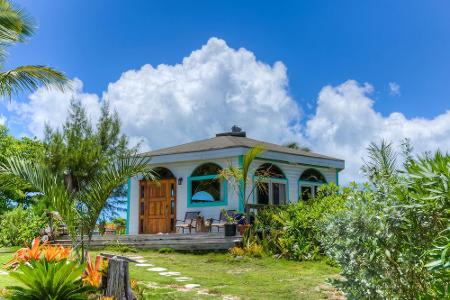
pixel 320 43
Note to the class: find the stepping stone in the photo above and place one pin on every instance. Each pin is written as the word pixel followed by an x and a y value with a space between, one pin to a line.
pixel 141 261
pixel 3 272
pixel 170 273
pixel 135 257
pixel 192 286
pixel 182 279
pixel 157 269
pixel 143 265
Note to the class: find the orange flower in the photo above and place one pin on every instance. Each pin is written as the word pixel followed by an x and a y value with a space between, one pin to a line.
pixel 92 275
pixel 34 253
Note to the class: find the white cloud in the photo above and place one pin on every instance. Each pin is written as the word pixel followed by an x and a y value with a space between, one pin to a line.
pixel 50 106
pixel 212 89
pixel 216 87
pixel 345 123
pixel 394 88
pixel 2 120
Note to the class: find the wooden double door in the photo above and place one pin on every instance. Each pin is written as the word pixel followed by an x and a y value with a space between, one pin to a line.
pixel 157 211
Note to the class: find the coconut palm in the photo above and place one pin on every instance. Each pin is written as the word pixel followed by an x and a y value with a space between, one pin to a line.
pixel 79 209
pixel 15 27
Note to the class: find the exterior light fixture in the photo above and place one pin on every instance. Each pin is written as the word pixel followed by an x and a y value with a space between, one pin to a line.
pixel 180 181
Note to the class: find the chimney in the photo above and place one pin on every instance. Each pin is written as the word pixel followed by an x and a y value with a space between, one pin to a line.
pixel 235 131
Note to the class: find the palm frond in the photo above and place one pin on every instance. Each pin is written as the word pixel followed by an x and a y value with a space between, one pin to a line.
pixel 15 24
pixel 29 78
pixel 43 181
pixel 95 194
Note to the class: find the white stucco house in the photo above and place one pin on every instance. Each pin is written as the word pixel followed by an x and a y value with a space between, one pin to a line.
pixel 189 180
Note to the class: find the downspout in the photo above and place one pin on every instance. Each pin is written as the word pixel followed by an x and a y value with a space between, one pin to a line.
pixel 241 185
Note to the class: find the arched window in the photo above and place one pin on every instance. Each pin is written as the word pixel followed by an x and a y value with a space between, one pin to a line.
pixel 309 182
pixel 205 187
pixel 270 185
pixel 163 173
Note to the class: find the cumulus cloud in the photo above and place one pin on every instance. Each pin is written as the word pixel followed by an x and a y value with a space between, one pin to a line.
pixel 212 89
pixel 394 88
pixel 216 87
pixel 50 106
pixel 345 123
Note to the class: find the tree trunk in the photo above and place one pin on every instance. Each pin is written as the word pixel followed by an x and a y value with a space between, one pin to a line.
pixel 118 282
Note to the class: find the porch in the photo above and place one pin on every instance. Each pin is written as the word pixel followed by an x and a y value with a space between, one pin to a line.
pixel 177 241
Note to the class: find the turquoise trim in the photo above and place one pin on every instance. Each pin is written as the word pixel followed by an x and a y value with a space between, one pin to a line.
pixel 241 185
pixel 224 202
pixel 127 231
pixel 337 177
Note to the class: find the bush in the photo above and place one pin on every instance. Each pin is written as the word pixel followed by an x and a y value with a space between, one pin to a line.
pixel 20 226
pixel 382 239
pixel 291 231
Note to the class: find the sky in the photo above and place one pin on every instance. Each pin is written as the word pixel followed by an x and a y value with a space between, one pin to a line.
pixel 330 75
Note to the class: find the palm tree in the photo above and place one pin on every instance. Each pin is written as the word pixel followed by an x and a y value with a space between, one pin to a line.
pixel 79 209
pixel 239 177
pixel 15 27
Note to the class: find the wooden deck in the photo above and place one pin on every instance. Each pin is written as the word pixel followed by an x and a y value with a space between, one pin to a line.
pixel 184 242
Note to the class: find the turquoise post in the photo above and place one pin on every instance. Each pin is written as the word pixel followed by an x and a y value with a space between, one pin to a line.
pixel 128 206
pixel 241 185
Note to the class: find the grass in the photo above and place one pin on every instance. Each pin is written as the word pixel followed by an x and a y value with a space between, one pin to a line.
pixel 223 277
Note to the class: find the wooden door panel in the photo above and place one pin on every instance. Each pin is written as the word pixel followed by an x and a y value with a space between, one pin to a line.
pixel 157 199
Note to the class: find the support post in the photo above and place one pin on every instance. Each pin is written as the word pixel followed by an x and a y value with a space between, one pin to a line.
pixel 118 283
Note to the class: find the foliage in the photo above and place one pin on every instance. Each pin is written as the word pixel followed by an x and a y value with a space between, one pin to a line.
pixel 46 272
pixel 382 237
pixel 239 177
pixel 20 226
pixel 21 192
pixel 82 169
pixel 49 280
pixel 15 26
pixel 121 247
pixel 292 231
pixel 92 275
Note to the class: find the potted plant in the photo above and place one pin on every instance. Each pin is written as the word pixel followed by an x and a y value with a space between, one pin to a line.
pixel 243 224
pixel 230 225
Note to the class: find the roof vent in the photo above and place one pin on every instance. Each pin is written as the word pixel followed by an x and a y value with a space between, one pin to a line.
pixel 235 131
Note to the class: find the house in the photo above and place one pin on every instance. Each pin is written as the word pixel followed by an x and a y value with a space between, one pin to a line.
pixel 189 180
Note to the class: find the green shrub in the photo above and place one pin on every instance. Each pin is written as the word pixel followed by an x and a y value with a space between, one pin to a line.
pixel 19 227
pixel 49 280
pixel 382 239
pixel 291 231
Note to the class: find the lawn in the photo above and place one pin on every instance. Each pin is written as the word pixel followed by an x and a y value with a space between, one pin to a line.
pixel 223 277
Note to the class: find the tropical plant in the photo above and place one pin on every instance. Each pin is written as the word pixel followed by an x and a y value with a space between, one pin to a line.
pixel 382 238
pixel 20 226
pixel 15 27
pixel 239 177
pixel 49 280
pixel 80 210
pixel 21 193
pixel 293 231
pixel 46 272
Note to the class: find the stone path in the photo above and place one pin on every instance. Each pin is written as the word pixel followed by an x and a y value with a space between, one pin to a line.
pixel 3 272
pixel 163 272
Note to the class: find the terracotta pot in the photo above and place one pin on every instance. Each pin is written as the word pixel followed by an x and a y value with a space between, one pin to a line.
pixel 243 228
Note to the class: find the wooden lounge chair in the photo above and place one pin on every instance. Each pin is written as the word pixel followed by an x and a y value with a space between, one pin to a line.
pixel 189 222
pixel 220 223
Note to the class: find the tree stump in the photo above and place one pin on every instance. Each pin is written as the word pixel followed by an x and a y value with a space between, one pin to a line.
pixel 118 282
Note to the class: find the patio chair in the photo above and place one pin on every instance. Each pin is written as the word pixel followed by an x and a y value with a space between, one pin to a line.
pixel 189 222
pixel 220 223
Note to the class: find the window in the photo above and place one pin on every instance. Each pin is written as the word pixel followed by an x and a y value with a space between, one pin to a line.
pixel 270 185
pixel 205 187
pixel 309 182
